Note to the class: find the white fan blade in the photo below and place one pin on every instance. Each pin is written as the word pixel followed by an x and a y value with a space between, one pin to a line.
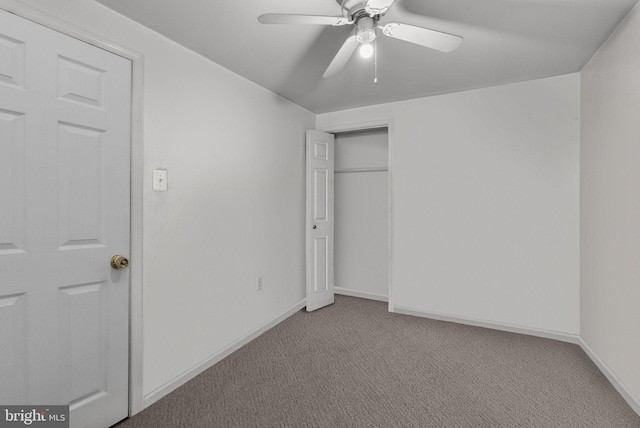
pixel 343 55
pixel 378 7
pixel 422 36
pixel 282 18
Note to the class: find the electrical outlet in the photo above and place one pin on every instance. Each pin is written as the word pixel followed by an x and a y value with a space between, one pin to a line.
pixel 259 283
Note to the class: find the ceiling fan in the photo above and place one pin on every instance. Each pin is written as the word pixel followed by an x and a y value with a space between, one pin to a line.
pixel 365 15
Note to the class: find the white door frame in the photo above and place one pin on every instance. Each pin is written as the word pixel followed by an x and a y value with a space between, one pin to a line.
pixel 361 126
pixel 136 395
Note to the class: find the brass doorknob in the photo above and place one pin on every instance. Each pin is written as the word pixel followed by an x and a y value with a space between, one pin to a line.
pixel 118 262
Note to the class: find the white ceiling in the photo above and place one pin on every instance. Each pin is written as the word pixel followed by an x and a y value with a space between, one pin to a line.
pixel 504 41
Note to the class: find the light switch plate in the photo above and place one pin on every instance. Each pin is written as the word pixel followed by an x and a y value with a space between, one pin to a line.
pixel 160 180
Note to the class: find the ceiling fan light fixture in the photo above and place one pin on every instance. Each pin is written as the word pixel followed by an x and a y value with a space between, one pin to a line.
pixel 365 30
pixel 366 50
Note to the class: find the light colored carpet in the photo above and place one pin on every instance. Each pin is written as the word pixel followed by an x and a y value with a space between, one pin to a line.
pixel 353 364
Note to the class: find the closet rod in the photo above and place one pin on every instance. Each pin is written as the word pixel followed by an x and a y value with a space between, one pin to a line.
pixel 371 169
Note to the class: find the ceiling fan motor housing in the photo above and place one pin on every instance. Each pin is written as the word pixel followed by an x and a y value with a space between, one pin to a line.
pixel 349 7
pixel 354 9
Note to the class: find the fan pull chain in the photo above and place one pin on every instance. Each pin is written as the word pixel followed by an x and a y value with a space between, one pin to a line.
pixel 375 62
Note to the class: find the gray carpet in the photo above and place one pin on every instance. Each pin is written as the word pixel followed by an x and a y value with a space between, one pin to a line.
pixel 353 364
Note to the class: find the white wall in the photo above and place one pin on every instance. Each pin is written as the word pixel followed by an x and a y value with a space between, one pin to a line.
pixel 361 214
pixel 235 156
pixel 610 204
pixel 486 202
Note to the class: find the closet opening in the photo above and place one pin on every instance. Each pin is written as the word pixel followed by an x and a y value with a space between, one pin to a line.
pixel 361 251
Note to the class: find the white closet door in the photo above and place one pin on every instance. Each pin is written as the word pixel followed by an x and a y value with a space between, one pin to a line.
pixel 320 170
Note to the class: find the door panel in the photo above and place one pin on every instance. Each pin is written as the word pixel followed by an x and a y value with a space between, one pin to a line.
pixel 80 83
pixel 81 181
pixel 320 156
pixel 11 62
pixel 64 174
pixel 320 196
pixel 12 232
pixel 82 317
pixel 320 264
pixel 13 352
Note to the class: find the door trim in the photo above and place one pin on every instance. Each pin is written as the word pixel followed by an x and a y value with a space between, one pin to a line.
pixel 136 395
pixel 361 126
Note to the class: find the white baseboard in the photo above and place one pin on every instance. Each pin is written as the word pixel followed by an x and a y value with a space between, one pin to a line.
pixel 548 334
pixel 361 294
pixel 617 384
pixel 185 377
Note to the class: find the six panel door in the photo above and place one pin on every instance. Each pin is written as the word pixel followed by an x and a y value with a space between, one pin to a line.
pixel 320 181
pixel 64 211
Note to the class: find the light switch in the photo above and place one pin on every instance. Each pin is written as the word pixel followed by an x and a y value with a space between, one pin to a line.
pixel 160 180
